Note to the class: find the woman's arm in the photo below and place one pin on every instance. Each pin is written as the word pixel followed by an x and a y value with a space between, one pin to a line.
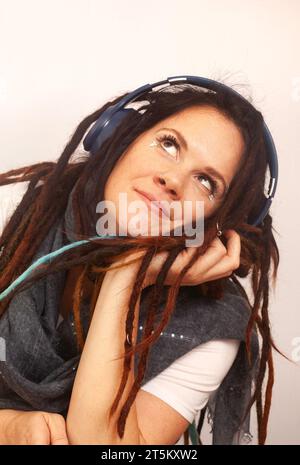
pixel 98 376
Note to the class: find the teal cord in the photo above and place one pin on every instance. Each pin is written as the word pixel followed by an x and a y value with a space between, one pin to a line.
pixel 44 259
pixel 193 433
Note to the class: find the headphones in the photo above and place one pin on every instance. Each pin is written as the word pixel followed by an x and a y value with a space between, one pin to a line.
pixel 112 117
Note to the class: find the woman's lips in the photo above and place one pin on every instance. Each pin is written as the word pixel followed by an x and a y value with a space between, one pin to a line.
pixel 159 210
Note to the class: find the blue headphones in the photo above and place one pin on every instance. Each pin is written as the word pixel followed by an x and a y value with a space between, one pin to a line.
pixel 108 123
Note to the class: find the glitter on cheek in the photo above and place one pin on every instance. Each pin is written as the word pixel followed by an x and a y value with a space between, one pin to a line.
pixel 153 144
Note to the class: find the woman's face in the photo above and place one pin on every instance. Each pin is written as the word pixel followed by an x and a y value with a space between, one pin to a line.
pixel 206 140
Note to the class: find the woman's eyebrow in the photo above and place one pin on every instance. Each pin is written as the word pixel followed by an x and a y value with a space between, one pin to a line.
pixel 209 169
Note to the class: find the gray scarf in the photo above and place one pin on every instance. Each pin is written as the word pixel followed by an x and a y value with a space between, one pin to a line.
pixel 41 357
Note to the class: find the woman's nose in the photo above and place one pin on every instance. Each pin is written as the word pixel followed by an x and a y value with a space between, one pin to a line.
pixel 169 184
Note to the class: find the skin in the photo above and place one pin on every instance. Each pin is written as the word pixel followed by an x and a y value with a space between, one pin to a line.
pixel 32 428
pixel 213 140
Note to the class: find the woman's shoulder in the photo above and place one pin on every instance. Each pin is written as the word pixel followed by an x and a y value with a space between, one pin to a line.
pixel 228 314
pixel 195 320
pixel 198 318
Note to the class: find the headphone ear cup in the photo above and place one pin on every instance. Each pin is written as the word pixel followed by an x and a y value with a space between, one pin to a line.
pixel 104 127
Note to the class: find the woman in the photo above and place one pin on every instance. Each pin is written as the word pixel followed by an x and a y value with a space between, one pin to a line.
pixel 162 149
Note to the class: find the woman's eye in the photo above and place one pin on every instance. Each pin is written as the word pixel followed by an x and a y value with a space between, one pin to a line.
pixel 169 142
pixel 210 183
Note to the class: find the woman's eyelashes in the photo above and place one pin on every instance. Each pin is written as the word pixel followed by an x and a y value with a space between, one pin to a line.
pixel 170 139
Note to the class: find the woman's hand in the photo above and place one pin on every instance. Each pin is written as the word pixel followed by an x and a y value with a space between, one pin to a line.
pixel 217 262
pixel 32 428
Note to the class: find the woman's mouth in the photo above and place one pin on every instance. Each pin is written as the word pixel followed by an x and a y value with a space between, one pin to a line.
pixel 154 205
